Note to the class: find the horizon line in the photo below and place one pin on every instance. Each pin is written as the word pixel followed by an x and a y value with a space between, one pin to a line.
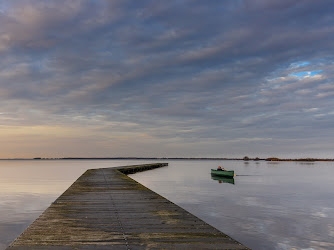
pixel 176 158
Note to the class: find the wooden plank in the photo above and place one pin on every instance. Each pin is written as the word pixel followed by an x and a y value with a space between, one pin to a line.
pixel 106 209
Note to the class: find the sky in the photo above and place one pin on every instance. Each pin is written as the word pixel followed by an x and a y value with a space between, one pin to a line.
pixel 177 78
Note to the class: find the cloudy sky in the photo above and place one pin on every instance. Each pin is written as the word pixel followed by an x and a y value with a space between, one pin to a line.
pixel 177 78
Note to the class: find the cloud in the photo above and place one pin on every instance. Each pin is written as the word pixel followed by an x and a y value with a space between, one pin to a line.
pixel 168 72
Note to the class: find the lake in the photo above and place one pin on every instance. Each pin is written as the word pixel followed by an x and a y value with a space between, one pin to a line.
pixel 270 205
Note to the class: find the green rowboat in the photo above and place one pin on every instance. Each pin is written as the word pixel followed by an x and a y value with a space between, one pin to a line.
pixel 226 173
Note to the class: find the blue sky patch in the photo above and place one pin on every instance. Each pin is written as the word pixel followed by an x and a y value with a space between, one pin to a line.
pixel 299 64
pixel 304 74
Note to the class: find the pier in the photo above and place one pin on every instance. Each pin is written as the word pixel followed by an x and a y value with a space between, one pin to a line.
pixel 106 209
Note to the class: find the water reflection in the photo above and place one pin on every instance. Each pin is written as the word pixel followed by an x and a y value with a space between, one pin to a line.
pixel 273 163
pixel 28 187
pixel 276 205
pixel 306 163
pixel 222 179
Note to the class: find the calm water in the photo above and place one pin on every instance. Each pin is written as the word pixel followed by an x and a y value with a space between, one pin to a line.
pixel 286 205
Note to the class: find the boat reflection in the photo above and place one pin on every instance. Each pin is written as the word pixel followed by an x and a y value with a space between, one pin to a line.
pixel 222 179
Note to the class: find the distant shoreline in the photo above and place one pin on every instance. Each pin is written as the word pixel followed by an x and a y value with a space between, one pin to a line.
pixel 174 158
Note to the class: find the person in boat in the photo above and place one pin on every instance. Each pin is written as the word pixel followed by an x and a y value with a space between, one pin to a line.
pixel 220 168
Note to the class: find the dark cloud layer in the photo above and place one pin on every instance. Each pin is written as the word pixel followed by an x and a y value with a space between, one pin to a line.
pixel 176 78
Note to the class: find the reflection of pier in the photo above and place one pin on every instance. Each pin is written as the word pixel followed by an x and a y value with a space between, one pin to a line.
pixel 105 209
pixel 222 179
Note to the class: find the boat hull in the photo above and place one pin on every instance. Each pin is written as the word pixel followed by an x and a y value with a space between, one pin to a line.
pixel 228 174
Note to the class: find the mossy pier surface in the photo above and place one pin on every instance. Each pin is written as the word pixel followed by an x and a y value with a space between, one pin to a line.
pixel 106 209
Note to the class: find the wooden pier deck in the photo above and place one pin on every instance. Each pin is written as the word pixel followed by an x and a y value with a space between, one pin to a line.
pixel 106 209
